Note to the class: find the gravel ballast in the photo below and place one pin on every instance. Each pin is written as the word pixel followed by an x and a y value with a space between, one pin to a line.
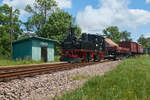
pixel 44 87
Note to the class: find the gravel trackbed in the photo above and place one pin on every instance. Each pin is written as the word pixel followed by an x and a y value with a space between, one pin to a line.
pixel 44 87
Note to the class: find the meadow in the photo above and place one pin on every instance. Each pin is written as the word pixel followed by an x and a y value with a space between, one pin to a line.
pixel 129 81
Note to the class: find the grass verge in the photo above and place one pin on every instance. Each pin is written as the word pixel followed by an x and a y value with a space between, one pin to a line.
pixel 129 81
pixel 8 62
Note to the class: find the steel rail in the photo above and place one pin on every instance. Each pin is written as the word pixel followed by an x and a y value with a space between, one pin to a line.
pixel 25 71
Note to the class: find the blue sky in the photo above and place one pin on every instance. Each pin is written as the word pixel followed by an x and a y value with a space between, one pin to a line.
pixel 95 15
pixel 134 4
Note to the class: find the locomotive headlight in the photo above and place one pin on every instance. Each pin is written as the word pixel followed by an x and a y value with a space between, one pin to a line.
pixel 96 45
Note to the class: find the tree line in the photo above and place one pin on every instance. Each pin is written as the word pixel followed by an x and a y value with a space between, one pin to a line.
pixel 46 20
pixel 145 42
pixel 116 35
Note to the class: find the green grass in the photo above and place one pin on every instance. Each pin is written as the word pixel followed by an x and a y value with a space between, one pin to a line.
pixel 129 81
pixel 57 58
pixel 8 62
pixel 79 77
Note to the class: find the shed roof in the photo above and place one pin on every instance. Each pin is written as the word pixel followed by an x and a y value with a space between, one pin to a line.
pixel 37 38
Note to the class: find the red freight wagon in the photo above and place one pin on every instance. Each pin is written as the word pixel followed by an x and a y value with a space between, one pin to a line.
pixel 112 46
pixel 119 50
pixel 139 49
pixel 131 45
pixel 123 50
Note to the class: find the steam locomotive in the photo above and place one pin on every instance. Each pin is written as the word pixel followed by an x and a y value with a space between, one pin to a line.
pixel 92 47
pixel 89 47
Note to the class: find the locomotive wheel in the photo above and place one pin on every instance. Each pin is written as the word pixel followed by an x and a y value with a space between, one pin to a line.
pixel 97 58
pixel 114 58
pixel 88 57
pixel 74 60
pixel 94 58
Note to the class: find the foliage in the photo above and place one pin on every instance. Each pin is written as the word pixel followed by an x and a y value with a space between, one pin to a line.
pixel 129 81
pixel 75 26
pixel 41 10
pixel 58 25
pixel 56 59
pixel 5 28
pixel 45 7
pixel 46 20
pixel 113 33
pixel 125 36
pixel 23 37
pixel 145 42
pixel 77 31
pixel 49 21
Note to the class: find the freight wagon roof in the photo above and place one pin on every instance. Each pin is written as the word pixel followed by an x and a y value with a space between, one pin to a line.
pixel 37 38
pixel 128 42
pixel 110 42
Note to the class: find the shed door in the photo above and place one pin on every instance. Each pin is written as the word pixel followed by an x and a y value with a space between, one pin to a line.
pixel 44 53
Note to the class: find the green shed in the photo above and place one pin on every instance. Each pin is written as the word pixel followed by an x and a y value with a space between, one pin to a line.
pixel 35 48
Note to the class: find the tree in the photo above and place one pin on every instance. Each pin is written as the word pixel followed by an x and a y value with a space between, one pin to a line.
pixel 112 33
pixel 58 26
pixel 5 28
pixel 45 7
pixel 77 31
pixel 40 12
pixel 48 21
pixel 125 36
pixel 75 26
pixel 145 42
pixel 4 41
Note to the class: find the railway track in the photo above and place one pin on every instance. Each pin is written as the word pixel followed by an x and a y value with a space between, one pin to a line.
pixel 9 73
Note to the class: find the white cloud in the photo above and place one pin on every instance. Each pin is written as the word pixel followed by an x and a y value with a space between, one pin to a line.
pixel 147 35
pixel 21 4
pixel 64 3
pixel 147 1
pixel 111 12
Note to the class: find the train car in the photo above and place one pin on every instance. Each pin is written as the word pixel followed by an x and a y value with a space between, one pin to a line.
pixel 131 45
pixel 139 49
pixel 89 47
pixel 114 51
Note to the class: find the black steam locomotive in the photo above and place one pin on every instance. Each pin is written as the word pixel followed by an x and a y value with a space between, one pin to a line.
pixel 88 47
